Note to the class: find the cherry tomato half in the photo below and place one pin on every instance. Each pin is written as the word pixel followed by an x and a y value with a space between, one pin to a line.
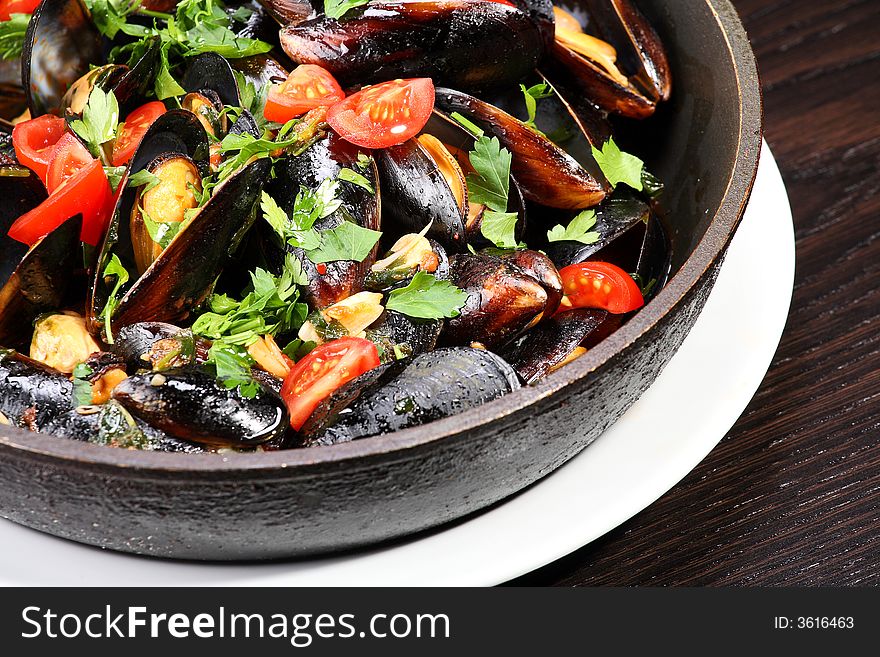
pixel 68 158
pixel 9 7
pixel 308 86
pixel 34 142
pixel 326 368
pixel 130 134
pixel 384 114
pixel 601 285
pixel 87 192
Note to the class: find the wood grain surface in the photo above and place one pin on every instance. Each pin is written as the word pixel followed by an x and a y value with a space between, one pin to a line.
pixel 791 496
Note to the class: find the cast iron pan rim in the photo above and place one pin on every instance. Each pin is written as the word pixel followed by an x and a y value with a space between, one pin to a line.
pixel 397 446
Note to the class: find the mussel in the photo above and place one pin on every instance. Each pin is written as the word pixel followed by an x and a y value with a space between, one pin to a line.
pixel 31 394
pixel 158 346
pixel 210 85
pixel 409 392
pixel 110 424
pixel 504 298
pixel 551 344
pixel 470 44
pixel 190 404
pixel 625 71
pixel 333 281
pixel 425 183
pixel 290 12
pixel 61 44
pixel 183 273
pixel 545 172
pixel 39 281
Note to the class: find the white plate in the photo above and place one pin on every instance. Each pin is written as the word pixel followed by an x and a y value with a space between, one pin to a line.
pixel 686 412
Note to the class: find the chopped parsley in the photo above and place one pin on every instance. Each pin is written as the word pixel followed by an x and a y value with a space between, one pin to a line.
pixel 143 178
pixel 353 177
pixel 532 95
pixel 12 34
pixel 113 268
pixel 427 297
pixel 82 387
pixel 578 229
pixel 619 167
pixel 489 185
pixel 99 122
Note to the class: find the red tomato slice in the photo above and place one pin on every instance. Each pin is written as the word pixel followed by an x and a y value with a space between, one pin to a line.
pixel 9 7
pixel 326 368
pixel 68 158
pixel 308 86
pixel 34 142
pixel 601 285
pixel 130 134
pixel 87 192
pixel 385 114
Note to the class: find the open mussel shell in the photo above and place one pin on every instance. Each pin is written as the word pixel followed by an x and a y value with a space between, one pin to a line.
pixel 411 335
pixel 260 70
pixel 21 191
pixel 139 344
pixel 408 393
pixel 323 161
pixel 31 393
pixel 614 219
pixel 643 71
pixel 210 71
pixel 110 424
pixel 541 14
pixel 60 45
pixel 190 404
pixel 13 100
pixel 425 186
pixel 549 344
pixel 503 300
pixel 39 282
pixel 469 44
pixel 546 173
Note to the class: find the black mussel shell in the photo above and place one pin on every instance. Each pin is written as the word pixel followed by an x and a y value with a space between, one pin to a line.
pixel 131 90
pixel 614 218
pixel 541 268
pixel 469 44
pixel 60 45
pixel 133 342
pixel 291 12
pixel 21 191
pixel 550 343
pixel 409 392
pixel 39 282
pixel 260 70
pixel 541 13
pixel 323 161
pixel 245 124
pixel 110 424
pixel 31 394
pixel 503 301
pixel 189 404
pixel 546 173
pixel 13 100
pixel 410 335
pixel 211 71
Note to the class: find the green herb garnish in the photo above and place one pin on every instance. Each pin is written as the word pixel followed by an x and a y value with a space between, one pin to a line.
pixel 532 95
pixel 12 34
pixel 113 268
pixel 577 230
pixel 347 241
pixel 99 122
pixel 619 167
pixel 143 178
pixel 82 387
pixel 427 297
pixel 353 177
pixel 338 8
pixel 470 126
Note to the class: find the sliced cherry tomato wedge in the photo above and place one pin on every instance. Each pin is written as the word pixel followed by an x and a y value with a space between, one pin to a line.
pixel 385 114
pixel 87 192
pixel 34 142
pixel 9 7
pixel 326 368
pixel 68 158
pixel 600 285
pixel 131 133
pixel 308 86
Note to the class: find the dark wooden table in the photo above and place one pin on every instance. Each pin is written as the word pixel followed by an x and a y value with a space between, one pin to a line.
pixel 791 496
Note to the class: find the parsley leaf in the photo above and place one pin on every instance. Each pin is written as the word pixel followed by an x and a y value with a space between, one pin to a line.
pixel 114 176
pixel 165 85
pixel 619 167
pixel 162 232
pixel 353 177
pixel 110 16
pixel 143 178
pixel 338 8
pixel 203 26
pixel 99 121
pixel 347 241
pixel 113 268
pixel 238 149
pixel 427 297
pixel 82 387
pixel 532 95
pixel 576 230
pixel 490 183
pixel 12 34
pixel 233 367
pixel 500 229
